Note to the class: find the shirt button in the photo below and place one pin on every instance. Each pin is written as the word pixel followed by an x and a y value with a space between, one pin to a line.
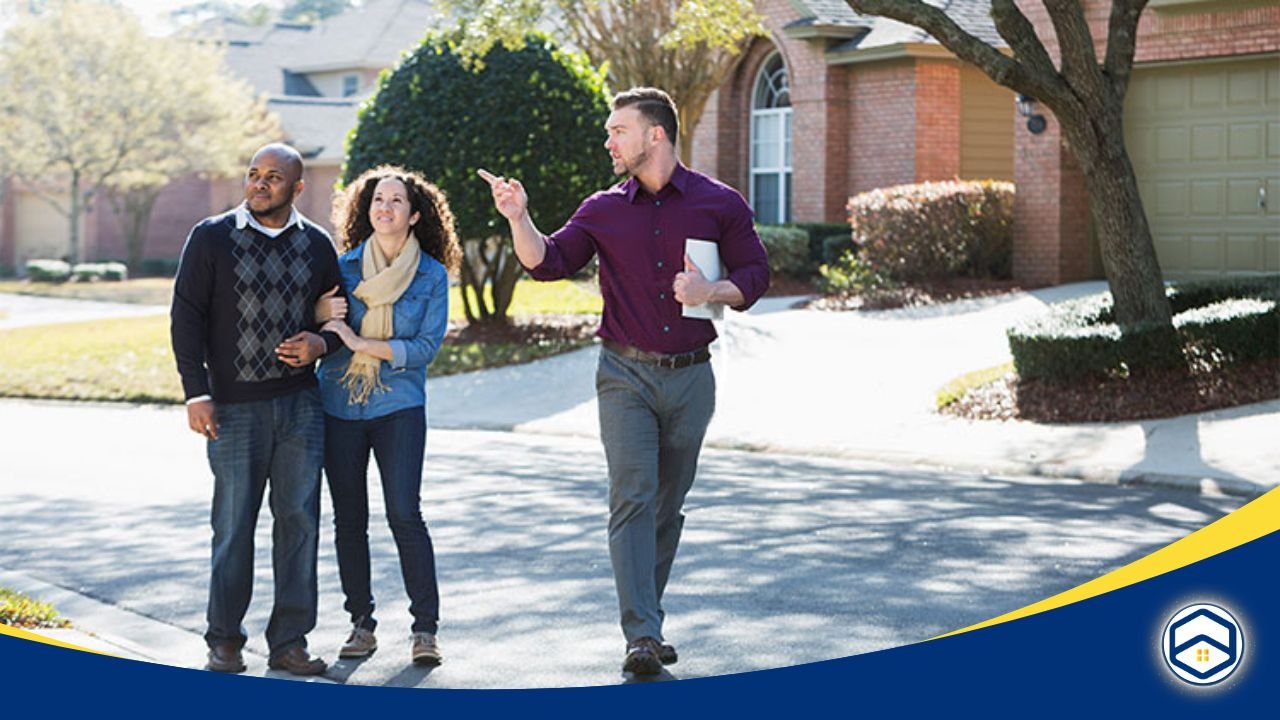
pixel 657 231
pixel 662 296
pixel 666 328
pixel 658 203
pixel 659 263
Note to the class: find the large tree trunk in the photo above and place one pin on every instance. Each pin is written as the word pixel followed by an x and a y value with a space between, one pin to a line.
pixel 133 210
pixel 1115 206
pixel 74 218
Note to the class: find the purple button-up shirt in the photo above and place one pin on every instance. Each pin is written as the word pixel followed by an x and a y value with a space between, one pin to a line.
pixel 640 240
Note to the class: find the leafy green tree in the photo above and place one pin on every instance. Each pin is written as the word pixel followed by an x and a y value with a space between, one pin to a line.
pixel 89 102
pixel 1085 89
pixel 686 47
pixel 535 113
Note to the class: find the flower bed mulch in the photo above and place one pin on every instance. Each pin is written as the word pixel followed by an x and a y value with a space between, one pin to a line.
pixel 1151 395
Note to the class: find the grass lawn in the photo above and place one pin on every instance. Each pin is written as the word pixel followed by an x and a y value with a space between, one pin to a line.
pixel 18 610
pixel 144 291
pixel 130 360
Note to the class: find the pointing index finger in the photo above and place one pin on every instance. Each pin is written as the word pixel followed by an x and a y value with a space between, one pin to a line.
pixel 488 177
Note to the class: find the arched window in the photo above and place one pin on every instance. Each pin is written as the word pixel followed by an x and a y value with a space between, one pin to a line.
pixel 771 144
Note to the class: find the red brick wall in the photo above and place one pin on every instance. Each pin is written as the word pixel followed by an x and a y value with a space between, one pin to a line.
pixel 881 108
pixel 186 202
pixel 937 96
pixel 1051 238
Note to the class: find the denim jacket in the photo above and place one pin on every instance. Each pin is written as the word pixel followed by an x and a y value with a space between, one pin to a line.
pixel 419 320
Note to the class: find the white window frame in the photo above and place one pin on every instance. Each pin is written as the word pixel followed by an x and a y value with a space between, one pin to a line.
pixel 355 89
pixel 786 118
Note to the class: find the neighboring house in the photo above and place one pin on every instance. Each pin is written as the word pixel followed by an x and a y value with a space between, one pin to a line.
pixel 833 103
pixel 314 76
pixel 1202 125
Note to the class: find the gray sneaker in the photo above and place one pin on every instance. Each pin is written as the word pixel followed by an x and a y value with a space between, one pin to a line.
pixel 426 651
pixel 361 643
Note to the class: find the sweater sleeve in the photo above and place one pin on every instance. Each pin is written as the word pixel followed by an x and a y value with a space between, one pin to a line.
pixel 189 314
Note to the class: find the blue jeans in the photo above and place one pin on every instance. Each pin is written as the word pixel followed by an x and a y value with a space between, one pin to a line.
pixel 279 441
pixel 652 422
pixel 398 441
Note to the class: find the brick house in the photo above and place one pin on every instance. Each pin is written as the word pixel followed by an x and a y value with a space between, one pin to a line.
pixel 314 77
pixel 832 103
pixel 1202 125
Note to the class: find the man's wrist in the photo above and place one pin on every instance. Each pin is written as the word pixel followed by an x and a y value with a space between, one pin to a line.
pixel 199 399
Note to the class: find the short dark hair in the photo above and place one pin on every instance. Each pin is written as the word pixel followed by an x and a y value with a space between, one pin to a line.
pixel 655 105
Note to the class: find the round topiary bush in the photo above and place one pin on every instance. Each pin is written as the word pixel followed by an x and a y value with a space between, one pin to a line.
pixel 536 114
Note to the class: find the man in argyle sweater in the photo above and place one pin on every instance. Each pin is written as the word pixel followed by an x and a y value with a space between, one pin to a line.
pixel 243 335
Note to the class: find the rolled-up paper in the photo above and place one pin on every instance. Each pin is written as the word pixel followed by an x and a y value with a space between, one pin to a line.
pixel 706 255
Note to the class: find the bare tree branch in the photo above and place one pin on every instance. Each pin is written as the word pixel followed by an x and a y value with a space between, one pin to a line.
pixel 1002 69
pixel 1075 43
pixel 1122 41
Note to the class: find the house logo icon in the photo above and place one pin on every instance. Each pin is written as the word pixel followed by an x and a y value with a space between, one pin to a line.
pixel 1202 644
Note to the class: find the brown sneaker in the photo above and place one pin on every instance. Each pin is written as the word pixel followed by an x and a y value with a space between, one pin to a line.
pixel 361 643
pixel 225 658
pixel 297 661
pixel 642 657
pixel 425 650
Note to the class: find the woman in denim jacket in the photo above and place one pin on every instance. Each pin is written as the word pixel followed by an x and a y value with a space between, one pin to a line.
pixel 396 231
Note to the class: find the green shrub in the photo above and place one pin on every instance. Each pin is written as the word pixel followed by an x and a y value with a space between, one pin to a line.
pixel 48 270
pixel 851 274
pixel 1221 320
pixel 835 246
pixel 1233 330
pixel 535 114
pixel 933 230
pixel 89 272
pixel 819 232
pixel 788 249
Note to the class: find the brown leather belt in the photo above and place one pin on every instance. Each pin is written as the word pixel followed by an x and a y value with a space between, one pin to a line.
pixel 673 361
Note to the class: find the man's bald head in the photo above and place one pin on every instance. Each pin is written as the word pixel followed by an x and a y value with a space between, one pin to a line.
pixel 291 159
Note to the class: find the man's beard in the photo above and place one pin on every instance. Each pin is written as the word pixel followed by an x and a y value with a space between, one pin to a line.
pixel 271 209
pixel 632 167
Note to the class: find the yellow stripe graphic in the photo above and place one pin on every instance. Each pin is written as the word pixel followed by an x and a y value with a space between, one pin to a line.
pixel 1259 517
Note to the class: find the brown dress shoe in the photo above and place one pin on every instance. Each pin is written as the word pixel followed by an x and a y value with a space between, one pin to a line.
pixel 225 658
pixel 667 654
pixel 642 657
pixel 297 661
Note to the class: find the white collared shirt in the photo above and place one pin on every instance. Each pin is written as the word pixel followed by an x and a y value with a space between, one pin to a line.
pixel 244 217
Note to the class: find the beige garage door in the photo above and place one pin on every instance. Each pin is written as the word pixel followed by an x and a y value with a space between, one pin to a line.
pixel 1205 142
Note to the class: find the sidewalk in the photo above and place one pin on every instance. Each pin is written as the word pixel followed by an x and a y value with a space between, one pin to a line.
pixel 861 385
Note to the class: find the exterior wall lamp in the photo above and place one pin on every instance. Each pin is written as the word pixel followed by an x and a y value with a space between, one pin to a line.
pixel 1027 109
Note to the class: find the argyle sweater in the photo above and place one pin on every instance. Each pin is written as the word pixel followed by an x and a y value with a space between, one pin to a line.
pixel 239 294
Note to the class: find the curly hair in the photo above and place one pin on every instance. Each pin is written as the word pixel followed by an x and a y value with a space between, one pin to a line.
pixel 434 229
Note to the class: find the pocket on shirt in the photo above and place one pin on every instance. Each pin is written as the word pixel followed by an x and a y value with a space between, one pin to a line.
pixel 408 313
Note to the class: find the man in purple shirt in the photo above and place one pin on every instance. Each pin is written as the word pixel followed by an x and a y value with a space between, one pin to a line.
pixel 655 388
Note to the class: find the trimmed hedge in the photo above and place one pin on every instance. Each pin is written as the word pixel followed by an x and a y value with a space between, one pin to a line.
pixel 818 233
pixel 933 230
pixel 788 249
pixel 88 272
pixel 1222 320
pixel 48 270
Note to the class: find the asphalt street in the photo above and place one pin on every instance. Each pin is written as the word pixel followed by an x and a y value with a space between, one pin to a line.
pixel 786 559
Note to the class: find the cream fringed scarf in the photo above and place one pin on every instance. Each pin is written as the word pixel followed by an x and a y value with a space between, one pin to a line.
pixel 383 283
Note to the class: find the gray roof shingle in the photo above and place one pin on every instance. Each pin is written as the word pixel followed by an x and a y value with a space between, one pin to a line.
pixel 972 15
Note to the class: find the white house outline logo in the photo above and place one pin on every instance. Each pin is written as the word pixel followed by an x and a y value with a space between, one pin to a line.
pixel 1202 644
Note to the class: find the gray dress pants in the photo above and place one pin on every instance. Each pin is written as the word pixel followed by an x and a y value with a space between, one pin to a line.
pixel 652 422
